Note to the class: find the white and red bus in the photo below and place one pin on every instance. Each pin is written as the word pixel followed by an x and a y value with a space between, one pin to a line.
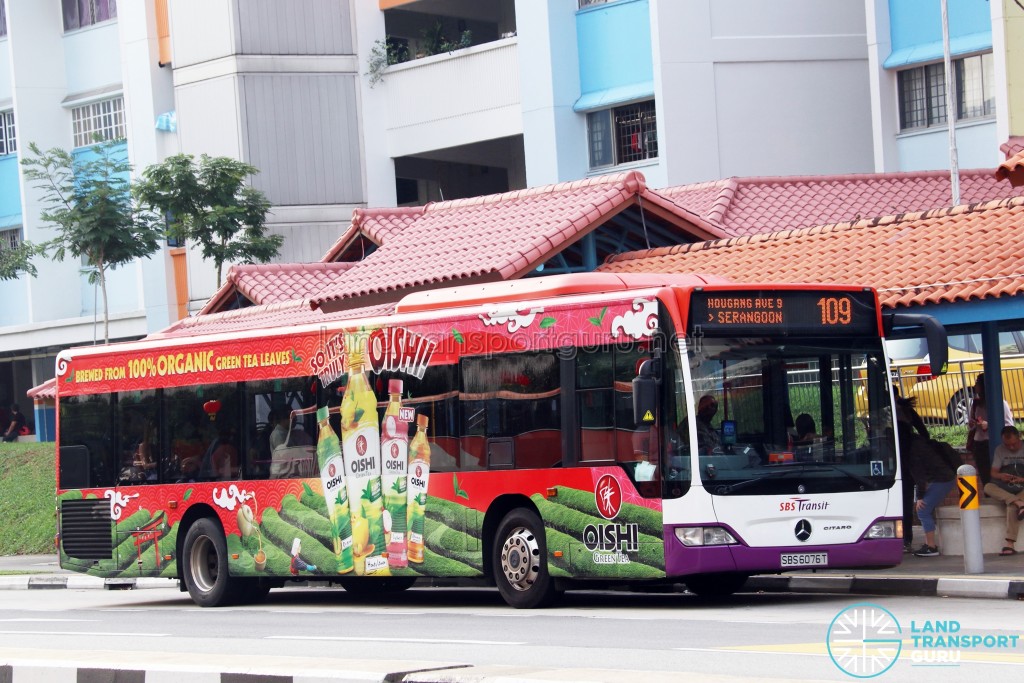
pixel 542 434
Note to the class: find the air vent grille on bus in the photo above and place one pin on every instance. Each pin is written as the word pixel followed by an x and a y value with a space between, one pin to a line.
pixel 85 529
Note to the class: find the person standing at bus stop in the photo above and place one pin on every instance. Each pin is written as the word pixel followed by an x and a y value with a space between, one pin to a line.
pixel 981 430
pixel 908 421
pixel 934 469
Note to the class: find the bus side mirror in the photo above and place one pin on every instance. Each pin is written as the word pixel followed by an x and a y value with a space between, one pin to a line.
pixel 934 334
pixel 645 394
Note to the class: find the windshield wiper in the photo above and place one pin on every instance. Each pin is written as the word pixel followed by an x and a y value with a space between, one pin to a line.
pixel 790 469
pixel 866 481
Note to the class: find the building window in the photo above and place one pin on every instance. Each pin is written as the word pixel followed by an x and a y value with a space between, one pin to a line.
pixel 974 87
pixel 103 120
pixel 10 239
pixel 3 18
pixel 623 134
pixel 583 4
pixel 922 92
pixel 8 140
pixel 82 13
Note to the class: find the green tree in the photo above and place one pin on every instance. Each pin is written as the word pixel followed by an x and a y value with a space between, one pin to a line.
pixel 210 204
pixel 14 262
pixel 88 202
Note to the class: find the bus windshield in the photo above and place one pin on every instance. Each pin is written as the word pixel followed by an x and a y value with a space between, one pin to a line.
pixel 791 415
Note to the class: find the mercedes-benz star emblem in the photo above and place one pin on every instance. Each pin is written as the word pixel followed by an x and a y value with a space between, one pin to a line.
pixel 802 530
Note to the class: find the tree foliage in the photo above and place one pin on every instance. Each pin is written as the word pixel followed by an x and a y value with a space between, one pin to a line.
pixel 14 262
pixel 210 204
pixel 88 202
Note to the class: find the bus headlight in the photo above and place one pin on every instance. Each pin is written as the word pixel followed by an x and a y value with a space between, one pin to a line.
pixel 704 535
pixel 885 529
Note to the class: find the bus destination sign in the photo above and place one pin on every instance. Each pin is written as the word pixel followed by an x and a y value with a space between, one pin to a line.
pixel 785 312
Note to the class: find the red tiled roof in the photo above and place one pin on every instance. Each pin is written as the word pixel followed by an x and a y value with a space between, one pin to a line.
pixel 297 312
pixel 1012 146
pixel 496 237
pixel 1012 169
pixel 46 390
pixel 943 255
pixel 275 282
pixel 748 206
pixel 377 225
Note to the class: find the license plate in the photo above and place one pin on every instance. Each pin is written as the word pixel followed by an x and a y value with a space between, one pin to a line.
pixel 804 559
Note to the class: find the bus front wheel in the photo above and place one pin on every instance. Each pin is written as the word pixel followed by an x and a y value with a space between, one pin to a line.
pixel 520 561
pixel 206 565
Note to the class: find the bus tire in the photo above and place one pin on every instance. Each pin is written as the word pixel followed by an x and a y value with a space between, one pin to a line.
pixel 520 561
pixel 206 565
pixel 360 585
pixel 715 585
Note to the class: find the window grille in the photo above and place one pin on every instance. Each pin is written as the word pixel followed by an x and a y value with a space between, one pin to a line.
pixel 82 13
pixel 10 239
pixel 623 134
pixel 103 119
pixel 8 140
pixel 975 98
pixel 922 92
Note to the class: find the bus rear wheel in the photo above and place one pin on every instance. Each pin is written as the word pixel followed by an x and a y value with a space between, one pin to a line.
pixel 520 561
pixel 715 585
pixel 206 565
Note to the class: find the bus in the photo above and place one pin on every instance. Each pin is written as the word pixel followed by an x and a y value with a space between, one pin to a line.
pixel 539 435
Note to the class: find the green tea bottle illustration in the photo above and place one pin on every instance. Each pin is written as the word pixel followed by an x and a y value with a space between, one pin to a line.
pixel 360 439
pixel 332 477
pixel 419 477
pixel 394 453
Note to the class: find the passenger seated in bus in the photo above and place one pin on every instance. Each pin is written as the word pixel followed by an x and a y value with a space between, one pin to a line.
pixel 708 438
pixel 294 457
pixel 279 417
pixel 806 432
pixel 220 461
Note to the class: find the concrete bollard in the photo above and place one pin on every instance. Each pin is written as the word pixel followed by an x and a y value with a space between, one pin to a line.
pixel 970 518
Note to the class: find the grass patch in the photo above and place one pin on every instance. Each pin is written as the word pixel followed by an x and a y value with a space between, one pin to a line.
pixel 27 498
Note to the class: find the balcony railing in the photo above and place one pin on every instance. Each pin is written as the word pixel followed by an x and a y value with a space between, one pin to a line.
pixel 462 85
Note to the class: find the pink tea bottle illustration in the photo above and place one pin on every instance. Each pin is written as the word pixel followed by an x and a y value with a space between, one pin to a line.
pixel 419 477
pixel 360 441
pixel 394 447
pixel 332 478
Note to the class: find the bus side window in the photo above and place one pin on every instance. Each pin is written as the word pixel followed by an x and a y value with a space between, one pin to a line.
pixel 87 457
pixel 511 409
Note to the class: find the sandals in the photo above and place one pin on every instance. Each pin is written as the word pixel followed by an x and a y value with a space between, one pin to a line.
pixel 1007 550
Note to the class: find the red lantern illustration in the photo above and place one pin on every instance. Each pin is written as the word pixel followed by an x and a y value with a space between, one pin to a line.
pixel 212 407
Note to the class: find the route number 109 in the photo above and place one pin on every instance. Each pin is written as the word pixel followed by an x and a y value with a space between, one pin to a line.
pixel 835 310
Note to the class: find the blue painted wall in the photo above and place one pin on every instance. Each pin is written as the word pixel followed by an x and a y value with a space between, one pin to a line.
pixel 123 289
pixel 915 28
pixel 10 192
pixel 45 421
pixel 615 54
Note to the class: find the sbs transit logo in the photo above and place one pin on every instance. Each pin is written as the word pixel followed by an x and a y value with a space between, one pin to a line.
pixel 608 496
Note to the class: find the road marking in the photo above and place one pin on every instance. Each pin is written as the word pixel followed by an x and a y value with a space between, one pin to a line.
pixel 85 633
pixel 820 650
pixel 392 639
pixel 6 621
